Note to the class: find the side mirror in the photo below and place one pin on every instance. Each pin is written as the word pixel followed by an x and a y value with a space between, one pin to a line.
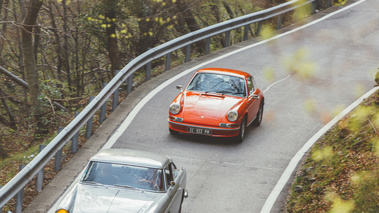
pixel 179 87
pixel 255 96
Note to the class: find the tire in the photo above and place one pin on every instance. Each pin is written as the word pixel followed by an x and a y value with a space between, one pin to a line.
pixel 241 135
pixel 181 202
pixel 258 119
pixel 180 208
pixel 173 132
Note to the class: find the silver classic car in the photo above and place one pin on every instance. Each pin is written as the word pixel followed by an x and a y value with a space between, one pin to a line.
pixel 124 180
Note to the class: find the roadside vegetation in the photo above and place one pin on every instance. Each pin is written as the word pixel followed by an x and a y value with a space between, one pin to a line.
pixel 341 171
pixel 54 54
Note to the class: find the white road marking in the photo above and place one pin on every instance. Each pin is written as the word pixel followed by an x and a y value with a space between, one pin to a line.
pixel 296 159
pixel 275 83
pixel 112 140
pixel 270 201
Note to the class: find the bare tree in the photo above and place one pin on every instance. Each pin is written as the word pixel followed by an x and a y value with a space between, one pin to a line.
pixel 188 20
pixel 4 17
pixel 29 22
pixel 113 51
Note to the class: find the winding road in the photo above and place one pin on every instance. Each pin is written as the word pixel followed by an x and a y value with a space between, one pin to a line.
pixel 309 73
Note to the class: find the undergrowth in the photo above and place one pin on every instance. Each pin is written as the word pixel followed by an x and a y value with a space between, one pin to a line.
pixel 341 171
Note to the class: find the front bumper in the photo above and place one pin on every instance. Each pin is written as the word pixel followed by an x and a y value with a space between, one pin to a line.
pixel 216 131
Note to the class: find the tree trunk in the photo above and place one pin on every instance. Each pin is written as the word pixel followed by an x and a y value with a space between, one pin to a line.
pixel 77 58
pixel 189 19
pixel 21 57
pixel 58 48
pixel 216 14
pixel 66 54
pixel 29 58
pixel 12 121
pixel 113 51
pixel 228 9
pixel 3 17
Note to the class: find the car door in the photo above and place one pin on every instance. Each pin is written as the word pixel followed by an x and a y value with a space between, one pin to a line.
pixel 174 189
pixel 252 100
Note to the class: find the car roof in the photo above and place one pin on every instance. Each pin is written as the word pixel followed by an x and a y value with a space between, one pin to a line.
pixel 131 157
pixel 225 71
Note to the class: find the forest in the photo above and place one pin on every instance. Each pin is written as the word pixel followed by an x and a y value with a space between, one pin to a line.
pixel 54 54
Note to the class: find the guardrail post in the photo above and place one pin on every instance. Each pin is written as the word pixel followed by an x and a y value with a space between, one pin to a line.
pixel 1 208
pixel 207 46
pixel 39 178
pixel 259 29
pixel 188 54
pixel 89 122
pixel 20 195
pixel 246 32
pixel 329 4
pixel 314 7
pixel 227 39
pixel 75 140
pixel 168 62
pixel 103 109
pixel 129 84
pixel 115 97
pixel 58 156
pixel 279 24
pixel 148 71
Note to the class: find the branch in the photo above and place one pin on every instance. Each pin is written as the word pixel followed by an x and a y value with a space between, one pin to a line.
pixel 376 132
pixel 16 79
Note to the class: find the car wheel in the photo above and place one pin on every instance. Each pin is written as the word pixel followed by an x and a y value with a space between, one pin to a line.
pixel 173 132
pixel 241 135
pixel 180 208
pixel 181 202
pixel 258 118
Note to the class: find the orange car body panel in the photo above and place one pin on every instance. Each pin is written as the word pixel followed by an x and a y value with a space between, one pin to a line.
pixel 207 111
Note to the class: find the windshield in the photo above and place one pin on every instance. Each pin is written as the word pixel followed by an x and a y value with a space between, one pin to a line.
pixel 124 176
pixel 218 83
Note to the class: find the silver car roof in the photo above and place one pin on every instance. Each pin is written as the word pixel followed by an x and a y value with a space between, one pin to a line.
pixel 131 157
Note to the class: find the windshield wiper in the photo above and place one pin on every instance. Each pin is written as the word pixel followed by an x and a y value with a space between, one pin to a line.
pixel 123 186
pixel 92 182
pixel 214 93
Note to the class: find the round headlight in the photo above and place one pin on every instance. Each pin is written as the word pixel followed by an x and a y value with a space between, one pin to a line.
pixel 232 116
pixel 174 108
pixel 62 211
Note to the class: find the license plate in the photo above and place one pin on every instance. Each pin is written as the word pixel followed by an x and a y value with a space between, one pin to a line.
pixel 200 131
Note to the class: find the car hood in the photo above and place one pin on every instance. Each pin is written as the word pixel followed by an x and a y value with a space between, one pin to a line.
pixel 113 199
pixel 207 109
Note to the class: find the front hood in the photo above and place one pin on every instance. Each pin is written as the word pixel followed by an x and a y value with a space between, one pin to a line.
pixel 93 199
pixel 207 109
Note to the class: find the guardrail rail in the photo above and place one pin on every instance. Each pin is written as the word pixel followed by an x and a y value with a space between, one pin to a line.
pixel 27 172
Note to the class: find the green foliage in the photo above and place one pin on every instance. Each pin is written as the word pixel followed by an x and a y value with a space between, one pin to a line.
pixel 340 174
pixel 340 2
pixel 303 11
pixel 54 88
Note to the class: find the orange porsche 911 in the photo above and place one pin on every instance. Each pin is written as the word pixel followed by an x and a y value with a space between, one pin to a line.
pixel 217 102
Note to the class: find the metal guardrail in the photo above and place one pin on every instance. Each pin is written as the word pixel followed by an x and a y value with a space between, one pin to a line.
pixel 18 183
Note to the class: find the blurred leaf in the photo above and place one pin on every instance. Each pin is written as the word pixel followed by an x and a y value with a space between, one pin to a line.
pixel 310 106
pixel 323 154
pixel 300 64
pixel 269 74
pixel 267 32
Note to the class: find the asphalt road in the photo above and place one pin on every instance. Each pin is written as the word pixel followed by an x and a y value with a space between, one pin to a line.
pixel 340 53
